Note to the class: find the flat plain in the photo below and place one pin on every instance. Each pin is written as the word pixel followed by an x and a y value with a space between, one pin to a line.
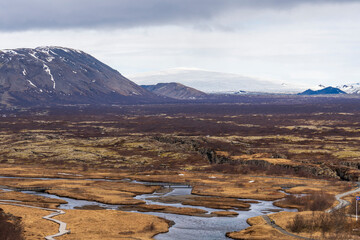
pixel 264 148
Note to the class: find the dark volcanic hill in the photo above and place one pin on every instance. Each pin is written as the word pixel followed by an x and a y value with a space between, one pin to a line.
pixel 175 90
pixel 328 90
pixel 52 75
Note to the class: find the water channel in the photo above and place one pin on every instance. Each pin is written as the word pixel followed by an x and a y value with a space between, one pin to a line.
pixel 186 227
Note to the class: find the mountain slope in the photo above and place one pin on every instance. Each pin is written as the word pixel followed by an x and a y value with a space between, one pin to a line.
pixel 353 88
pixel 61 75
pixel 208 81
pixel 175 90
pixel 327 90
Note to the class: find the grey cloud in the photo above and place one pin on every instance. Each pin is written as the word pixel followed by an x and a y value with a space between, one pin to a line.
pixel 17 15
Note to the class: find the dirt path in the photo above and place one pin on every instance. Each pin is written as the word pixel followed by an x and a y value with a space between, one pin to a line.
pixel 283 231
pixel 343 203
pixel 62 225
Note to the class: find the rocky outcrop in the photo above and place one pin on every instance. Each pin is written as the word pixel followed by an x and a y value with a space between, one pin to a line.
pixel 200 146
pixel 197 146
pixel 347 174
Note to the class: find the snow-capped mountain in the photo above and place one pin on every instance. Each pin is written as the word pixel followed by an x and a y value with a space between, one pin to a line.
pixel 56 74
pixel 212 82
pixel 353 88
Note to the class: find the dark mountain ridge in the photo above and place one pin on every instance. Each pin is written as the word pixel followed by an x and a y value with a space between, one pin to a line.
pixel 50 75
pixel 324 91
pixel 175 90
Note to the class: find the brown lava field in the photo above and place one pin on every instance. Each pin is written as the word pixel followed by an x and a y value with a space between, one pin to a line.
pixel 301 144
pixel 311 137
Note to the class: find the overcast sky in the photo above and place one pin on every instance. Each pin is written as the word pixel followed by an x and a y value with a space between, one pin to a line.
pixel 299 41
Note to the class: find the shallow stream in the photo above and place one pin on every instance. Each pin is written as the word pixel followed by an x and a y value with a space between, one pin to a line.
pixel 186 227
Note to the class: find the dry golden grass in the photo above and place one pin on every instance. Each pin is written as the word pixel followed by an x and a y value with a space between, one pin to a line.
pixel 257 192
pixel 216 202
pixel 111 225
pixel 225 213
pixel 247 187
pixel 219 185
pixel 167 209
pixel 101 191
pixel 348 154
pixel 258 230
pixel 284 218
pixel 98 195
pixel 33 200
pixel 35 227
pixel 246 157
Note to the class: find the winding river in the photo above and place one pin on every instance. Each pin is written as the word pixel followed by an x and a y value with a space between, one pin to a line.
pixel 186 227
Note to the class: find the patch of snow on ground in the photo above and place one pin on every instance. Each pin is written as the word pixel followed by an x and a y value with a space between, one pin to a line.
pixel 54 53
pixel 32 84
pixel 33 54
pixel 8 51
pixel 47 69
pixel 49 59
pixel 44 50
pixel 64 49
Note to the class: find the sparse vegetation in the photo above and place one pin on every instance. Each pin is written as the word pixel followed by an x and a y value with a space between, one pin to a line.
pixel 316 201
pixel 352 207
pixel 224 151
pixel 308 141
pixel 333 224
pixel 10 227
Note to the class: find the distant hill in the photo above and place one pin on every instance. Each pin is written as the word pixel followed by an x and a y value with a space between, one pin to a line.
pixel 175 90
pixel 216 82
pixel 324 91
pixel 57 75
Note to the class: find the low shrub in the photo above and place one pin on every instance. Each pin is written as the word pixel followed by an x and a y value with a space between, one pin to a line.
pixel 317 201
pixel 10 227
pixel 335 223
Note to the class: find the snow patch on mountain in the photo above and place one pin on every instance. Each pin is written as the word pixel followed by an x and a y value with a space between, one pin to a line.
pixel 49 59
pixel 47 70
pixel 353 88
pixel 9 51
pixel 33 54
pixel 31 83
